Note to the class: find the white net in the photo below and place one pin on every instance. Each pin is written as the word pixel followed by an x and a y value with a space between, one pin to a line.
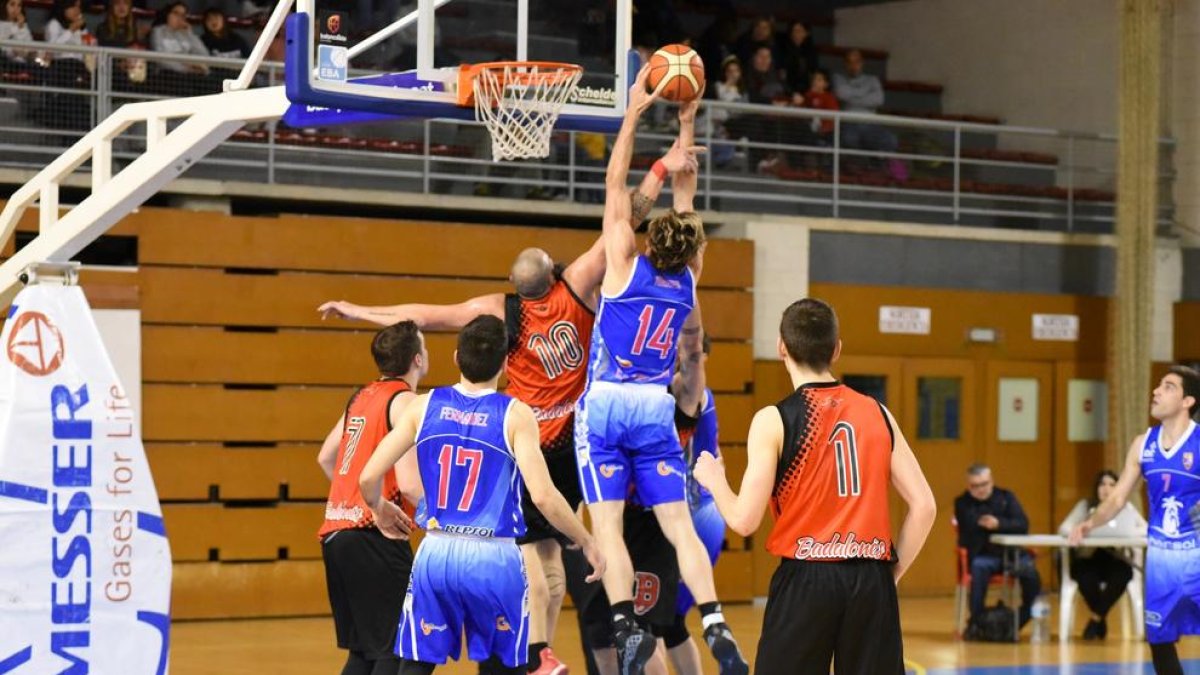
pixel 519 104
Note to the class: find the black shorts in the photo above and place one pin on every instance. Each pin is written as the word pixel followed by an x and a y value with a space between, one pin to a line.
pixel 564 473
pixel 844 612
pixel 367 576
pixel 656 581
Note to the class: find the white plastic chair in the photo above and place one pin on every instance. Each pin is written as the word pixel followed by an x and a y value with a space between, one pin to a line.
pixel 1133 594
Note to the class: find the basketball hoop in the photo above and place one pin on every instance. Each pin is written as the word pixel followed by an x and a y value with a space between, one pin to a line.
pixel 518 102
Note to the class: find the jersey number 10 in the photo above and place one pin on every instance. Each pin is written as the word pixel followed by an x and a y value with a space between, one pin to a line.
pixel 845 453
pixel 559 349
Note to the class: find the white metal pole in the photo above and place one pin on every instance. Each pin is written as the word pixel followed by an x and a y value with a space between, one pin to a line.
pixel 522 30
pixel 425 28
pixel 395 27
pixel 259 53
pixel 621 58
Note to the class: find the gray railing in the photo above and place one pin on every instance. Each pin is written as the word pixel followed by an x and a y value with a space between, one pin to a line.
pixel 764 159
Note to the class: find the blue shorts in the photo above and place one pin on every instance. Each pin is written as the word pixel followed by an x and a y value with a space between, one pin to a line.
pixel 626 433
pixel 470 583
pixel 1172 594
pixel 711 528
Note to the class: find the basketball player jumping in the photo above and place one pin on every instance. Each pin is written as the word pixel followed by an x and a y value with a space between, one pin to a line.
pixel 475 448
pixel 625 420
pixel 550 317
pixel 366 572
pixel 824 457
pixel 1166 455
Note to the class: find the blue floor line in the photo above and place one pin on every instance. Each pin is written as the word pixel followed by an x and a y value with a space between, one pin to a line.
pixel 1142 668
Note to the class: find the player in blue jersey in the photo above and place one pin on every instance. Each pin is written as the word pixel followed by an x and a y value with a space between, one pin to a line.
pixel 696 422
pixel 625 432
pixel 475 447
pixel 1168 457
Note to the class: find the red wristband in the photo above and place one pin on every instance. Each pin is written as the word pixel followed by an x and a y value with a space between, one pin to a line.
pixel 659 169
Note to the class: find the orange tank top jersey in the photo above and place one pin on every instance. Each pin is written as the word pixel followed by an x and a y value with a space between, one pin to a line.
pixel 547 359
pixel 830 500
pixel 366 424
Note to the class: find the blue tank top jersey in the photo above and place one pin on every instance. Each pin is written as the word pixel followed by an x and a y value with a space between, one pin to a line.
pixel 472 485
pixel 637 330
pixel 704 439
pixel 1173 488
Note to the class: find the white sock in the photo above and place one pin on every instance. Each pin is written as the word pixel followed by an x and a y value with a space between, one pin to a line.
pixel 714 618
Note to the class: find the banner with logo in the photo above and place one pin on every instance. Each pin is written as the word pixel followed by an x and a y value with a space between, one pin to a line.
pixel 85 568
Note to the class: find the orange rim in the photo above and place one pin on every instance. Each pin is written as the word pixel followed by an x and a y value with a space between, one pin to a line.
pixel 547 71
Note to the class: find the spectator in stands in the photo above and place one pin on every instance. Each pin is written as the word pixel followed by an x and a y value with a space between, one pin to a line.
pixel 1102 573
pixel 219 40
pixel 763 86
pixel 14 27
pixel 984 510
pixel 119 28
pixel 798 56
pixel 819 97
pixel 67 27
pixel 172 34
pixel 858 91
pixel 716 44
pixel 760 34
pixel 728 125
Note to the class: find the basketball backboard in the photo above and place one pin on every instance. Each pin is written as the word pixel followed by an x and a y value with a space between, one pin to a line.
pixel 361 60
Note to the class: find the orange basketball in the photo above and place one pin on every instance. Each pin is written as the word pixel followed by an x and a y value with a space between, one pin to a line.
pixel 677 72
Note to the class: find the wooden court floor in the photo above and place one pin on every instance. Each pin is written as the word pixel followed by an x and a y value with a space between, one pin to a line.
pixel 306 645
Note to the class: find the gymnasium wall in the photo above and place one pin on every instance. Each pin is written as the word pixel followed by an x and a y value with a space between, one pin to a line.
pixel 1191 274
pixel 1030 62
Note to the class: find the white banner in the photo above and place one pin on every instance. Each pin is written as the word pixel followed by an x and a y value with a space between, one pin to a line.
pixel 85 568
pixel 905 320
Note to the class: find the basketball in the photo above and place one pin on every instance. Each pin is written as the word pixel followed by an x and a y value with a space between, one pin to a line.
pixel 676 71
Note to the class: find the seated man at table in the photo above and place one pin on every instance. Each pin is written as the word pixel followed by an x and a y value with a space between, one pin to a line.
pixel 984 510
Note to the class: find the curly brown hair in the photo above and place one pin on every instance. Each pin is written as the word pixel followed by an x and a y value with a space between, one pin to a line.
pixel 674 238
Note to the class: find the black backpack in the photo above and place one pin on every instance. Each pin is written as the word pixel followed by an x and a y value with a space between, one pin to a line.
pixel 994 624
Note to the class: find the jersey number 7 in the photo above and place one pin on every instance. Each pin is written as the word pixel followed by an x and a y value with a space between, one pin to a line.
pixel 449 458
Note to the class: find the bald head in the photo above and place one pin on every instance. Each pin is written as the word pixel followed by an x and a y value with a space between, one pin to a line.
pixel 532 273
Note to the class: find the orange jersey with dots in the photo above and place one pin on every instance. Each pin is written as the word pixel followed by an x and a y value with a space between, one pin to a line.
pixel 367 422
pixel 830 500
pixel 547 359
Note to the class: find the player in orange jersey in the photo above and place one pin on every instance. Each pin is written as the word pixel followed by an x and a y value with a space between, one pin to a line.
pixel 366 572
pixel 549 317
pixel 823 457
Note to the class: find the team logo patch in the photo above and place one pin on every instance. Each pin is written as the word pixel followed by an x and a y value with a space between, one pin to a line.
pixel 608 470
pixel 502 624
pixel 334 23
pixel 1187 461
pixel 665 469
pixel 427 628
pixel 433 524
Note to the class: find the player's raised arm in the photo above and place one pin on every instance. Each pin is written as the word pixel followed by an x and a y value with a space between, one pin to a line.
pixel 327 456
pixel 586 272
pixel 1109 508
pixel 620 246
pixel 684 183
pixel 403 436
pixel 427 317
pixel 689 382
pixel 910 482
pixel 523 433
pixel 743 511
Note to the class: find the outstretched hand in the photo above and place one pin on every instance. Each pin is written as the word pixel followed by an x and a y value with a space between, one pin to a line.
pixel 688 109
pixel 339 309
pixel 682 159
pixel 639 97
